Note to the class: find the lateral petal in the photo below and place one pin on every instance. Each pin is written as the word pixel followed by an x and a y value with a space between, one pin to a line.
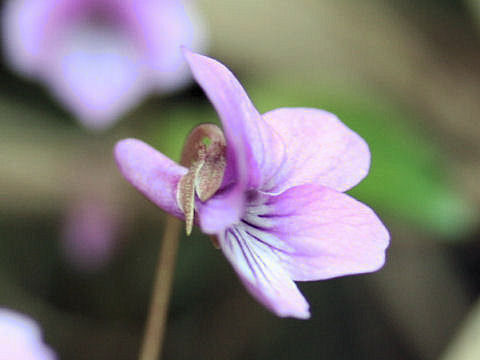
pixel 319 233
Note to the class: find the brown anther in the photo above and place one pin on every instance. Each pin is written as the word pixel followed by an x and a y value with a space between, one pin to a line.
pixel 204 156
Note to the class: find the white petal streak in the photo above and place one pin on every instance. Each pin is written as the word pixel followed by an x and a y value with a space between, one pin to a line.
pixel 254 230
pixel 257 221
pixel 261 273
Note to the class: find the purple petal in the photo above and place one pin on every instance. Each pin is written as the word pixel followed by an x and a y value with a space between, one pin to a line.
pixel 20 338
pixel 220 212
pixel 320 150
pixel 96 73
pixel 263 275
pixel 151 172
pixel 227 206
pixel 319 233
pixel 256 149
pixel 248 138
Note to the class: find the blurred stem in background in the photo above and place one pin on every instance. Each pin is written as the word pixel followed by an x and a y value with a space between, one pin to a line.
pixel 157 315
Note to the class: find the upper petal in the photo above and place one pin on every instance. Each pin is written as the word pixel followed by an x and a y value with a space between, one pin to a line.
pixel 319 233
pixel 251 143
pixel 254 150
pixel 320 149
pixel 151 172
pixel 262 274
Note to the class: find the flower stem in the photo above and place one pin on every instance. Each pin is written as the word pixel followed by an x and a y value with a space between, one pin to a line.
pixel 157 315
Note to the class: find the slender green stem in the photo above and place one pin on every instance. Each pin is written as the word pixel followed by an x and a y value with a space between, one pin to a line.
pixel 157 316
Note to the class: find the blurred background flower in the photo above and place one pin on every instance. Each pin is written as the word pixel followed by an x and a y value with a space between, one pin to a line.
pixel 101 57
pixel 90 234
pixel 403 75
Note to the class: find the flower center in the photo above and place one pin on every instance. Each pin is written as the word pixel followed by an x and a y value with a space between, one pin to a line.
pixel 204 156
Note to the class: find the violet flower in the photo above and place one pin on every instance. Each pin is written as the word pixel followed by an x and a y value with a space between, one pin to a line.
pixel 20 338
pixel 279 212
pixel 100 57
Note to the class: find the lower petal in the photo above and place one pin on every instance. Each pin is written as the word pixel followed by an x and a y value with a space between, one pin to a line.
pixel 262 274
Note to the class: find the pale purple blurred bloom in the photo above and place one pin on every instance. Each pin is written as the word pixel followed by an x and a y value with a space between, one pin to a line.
pixel 21 338
pixel 90 234
pixel 281 214
pixel 101 57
